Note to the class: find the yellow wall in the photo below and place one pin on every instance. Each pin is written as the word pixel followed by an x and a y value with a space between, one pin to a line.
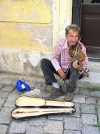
pixel 29 29
pixel 19 20
pixel 14 36
pixel 62 17
pixel 35 11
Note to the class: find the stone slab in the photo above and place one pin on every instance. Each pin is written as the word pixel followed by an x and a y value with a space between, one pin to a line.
pixel 30 83
pixel 72 123
pixel 10 102
pixel 8 88
pixel 38 121
pixel 90 81
pixel 87 108
pixel 89 119
pixel 90 130
pixel 7 81
pixel 55 117
pixel 99 101
pixel 79 99
pixel 1 85
pixel 32 93
pixel 3 129
pixel 18 127
pixel 77 112
pixel 71 132
pixel 91 100
pixel 99 113
pixel 85 92
pixel 1 102
pixel 95 93
pixel 3 95
pixel 5 115
pixel 54 127
pixel 34 130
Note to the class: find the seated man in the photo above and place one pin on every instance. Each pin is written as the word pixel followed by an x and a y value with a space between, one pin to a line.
pixel 63 65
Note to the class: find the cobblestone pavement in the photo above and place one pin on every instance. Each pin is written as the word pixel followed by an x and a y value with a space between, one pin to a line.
pixel 86 119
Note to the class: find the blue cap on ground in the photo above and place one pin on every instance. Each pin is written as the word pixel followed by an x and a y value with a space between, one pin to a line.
pixel 22 86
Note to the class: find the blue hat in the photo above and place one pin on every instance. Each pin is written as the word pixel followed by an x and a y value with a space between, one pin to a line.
pixel 22 86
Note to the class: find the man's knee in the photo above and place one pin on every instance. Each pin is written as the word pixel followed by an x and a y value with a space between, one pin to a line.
pixel 42 62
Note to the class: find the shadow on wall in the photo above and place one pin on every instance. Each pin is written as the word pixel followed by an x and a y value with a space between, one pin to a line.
pixel 90 1
pixel 95 1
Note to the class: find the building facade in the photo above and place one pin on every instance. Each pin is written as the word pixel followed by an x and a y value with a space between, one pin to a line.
pixel 29 29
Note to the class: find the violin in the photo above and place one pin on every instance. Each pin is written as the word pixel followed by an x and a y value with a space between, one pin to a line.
pixel 76 53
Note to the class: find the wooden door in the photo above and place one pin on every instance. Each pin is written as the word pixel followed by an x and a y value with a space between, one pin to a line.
pixel 90 29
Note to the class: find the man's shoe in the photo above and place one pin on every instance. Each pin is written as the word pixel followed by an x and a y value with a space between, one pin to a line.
pixel 55 93
pixel 69 96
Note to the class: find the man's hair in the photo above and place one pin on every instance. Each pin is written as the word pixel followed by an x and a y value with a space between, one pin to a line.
pixel 73 27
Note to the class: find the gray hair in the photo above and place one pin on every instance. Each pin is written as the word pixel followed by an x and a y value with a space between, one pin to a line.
pixel 74 27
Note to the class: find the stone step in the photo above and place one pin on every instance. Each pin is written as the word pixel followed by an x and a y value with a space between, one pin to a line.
pixel 93 81
pixel 94 66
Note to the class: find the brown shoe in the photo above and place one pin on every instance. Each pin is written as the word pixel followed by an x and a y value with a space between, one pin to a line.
pixel 69 96
pixel 55 93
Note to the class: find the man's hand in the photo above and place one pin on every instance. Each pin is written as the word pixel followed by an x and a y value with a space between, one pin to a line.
pixel 77 66
pixel 61 73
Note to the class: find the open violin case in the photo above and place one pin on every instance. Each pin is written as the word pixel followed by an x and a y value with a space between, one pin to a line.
pixel 28 107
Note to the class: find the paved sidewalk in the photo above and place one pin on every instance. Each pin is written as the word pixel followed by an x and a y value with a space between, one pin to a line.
pixel 86 119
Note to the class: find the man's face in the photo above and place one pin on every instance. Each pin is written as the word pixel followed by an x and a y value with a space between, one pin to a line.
pixel 72 37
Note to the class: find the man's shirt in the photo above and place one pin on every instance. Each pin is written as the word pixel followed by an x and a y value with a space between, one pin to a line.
pixel 61 57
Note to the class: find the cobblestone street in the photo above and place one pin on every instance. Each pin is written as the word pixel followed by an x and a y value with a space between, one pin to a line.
pixel 86 119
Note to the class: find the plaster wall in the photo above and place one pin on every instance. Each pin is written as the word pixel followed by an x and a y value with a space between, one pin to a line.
pixel 29 31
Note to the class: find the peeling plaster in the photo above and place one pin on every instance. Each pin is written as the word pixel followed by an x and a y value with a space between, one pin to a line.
pixel 31 62
pixel 62 29
pixel 32 57
pixel 48 2
pixel 41 35
pixel 11 61
pixel 30 30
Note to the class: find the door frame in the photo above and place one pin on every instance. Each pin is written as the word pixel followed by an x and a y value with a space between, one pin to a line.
pixel 77 19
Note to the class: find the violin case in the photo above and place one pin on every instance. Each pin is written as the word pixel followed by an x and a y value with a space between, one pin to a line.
pixel 28 107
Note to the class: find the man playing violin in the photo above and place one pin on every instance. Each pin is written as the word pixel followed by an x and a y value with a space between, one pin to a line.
pixel 64 66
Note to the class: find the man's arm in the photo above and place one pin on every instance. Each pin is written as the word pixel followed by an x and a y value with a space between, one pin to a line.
pixel 56 57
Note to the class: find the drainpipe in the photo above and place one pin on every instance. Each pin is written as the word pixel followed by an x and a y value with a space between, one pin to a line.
pixel 76 12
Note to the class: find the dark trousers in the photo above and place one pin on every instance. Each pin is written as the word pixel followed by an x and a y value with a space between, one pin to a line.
pixel 49 71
